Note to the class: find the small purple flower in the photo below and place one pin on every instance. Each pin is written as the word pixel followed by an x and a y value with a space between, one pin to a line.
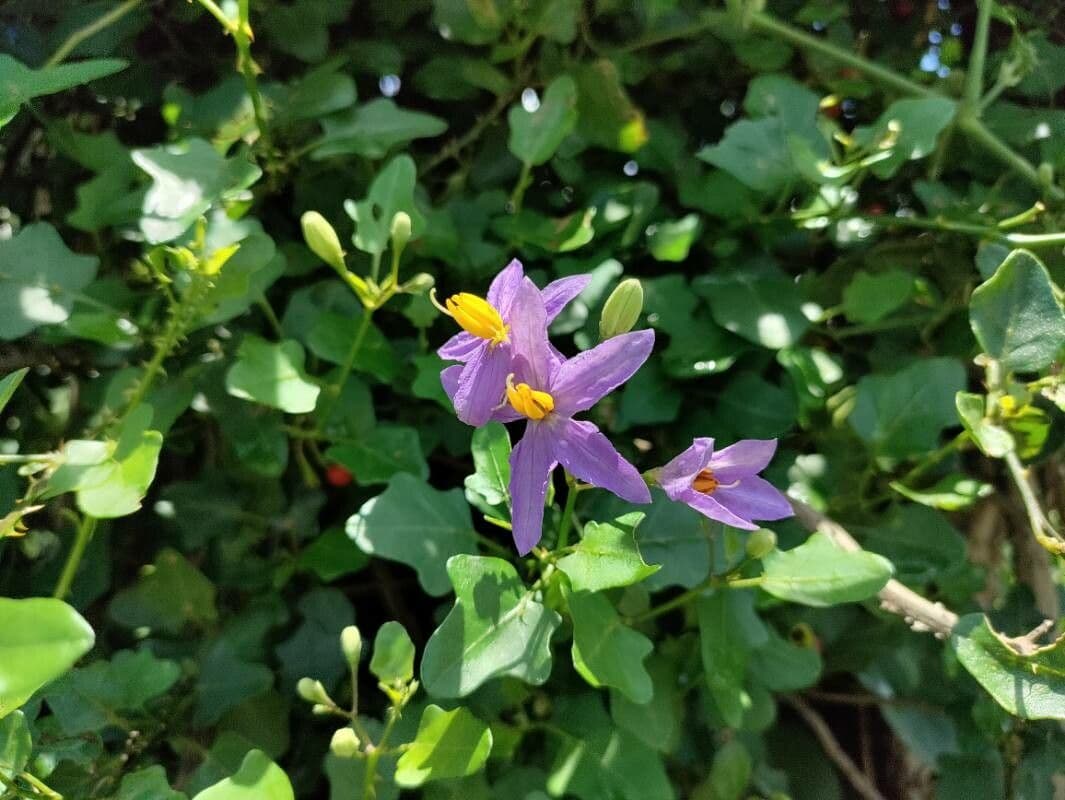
pixel 725 485
pixel 484 346
pixel 548 390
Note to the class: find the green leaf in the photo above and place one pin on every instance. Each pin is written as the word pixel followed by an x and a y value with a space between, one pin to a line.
pixel 392 191
pixel 607 116
pixel 870 297
pixel 1030 686
pixel 393 654
pixel 760 304
pixel 536 135
pixel 449 744
pixel 607 556
pixel 730 771
pixel 147 784
pixel 992 440
pixel 1017 316
pixel 751 152
pixel 272 374
pixel 314 647
pixel 40 639
pixel 496 628
pixel 110 478
pixel 382 452
pixel 605 651
pixel 99 695
pixel 489 486
pixel 332 336
pixel 470 21
pixel 40 278
pixel 19 84
pixel 772 415
pixel 656 723
pixel 729 630
pixel 783 666
pixel 909 128
pixel 417 525
pixel 8 385
pixel 169 595
pixel 331 556
pixel 226 681
pixel 820 573
pixel 16 744
pixel 258 778
pixel 902 414
pixel 671 240
pixel 374 128
pixel 187 179
pixel 953 492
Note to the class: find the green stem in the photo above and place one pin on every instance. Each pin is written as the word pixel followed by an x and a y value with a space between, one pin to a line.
pixel 567 514
pixel 974 79
pixel 77 550
pixel 766 23
pixel 25 458
pixel 334 389
pixel 369 788
pixel 982 135
pixel 688 596
pixel 218 14
pixel 517 196
pixel 995 233
pixel 87 31
pixel 1041 528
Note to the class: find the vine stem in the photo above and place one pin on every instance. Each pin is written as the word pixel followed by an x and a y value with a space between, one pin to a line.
pixel 369 788
pixel 77 551
pixel 517 196
pixel 334 389
pixel 974 79
pixel 87 31
pixel 1037 518
pixel 953 226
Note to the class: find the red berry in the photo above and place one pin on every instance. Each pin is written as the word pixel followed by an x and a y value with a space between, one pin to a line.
pixel 875 209
pixel 902 9
pixel 336 475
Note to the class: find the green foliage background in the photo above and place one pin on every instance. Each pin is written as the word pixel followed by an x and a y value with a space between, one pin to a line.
pixel 225 440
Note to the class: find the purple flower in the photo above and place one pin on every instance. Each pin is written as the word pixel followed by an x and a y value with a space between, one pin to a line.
pixel 484 346
pixel 548 390
pixel 725 485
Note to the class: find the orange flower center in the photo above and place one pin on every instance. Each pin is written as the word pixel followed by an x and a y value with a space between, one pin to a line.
pixel 705 482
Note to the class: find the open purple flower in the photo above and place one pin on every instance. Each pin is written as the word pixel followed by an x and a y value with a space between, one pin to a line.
pixel 548 390
pixel 725 485
pixel 484 345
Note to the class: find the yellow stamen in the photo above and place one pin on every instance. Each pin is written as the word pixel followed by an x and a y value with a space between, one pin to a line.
pixel 527 401
pixel 475 315
pixel 705 482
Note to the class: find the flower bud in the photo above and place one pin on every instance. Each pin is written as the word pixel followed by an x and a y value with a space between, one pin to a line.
pixel 761 543
pixel 322 239
pixel 400 230
pixel 312 691
pixel 345 743
pixel 419 284
pixel 351 644
pixel 622 309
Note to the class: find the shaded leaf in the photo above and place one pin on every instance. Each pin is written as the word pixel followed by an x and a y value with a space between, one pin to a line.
pixel 820 573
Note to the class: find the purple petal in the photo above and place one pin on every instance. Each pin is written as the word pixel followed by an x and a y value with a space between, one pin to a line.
pixel 747 457
pixel 449 378
pixel 533 360
pixel 754 498
pixel 589 455
pixel 557 294
pixel 709 507
pixel 460 347
pixel 531 463
pixel 583 380
pixel 505 286
pixel 677 476
pixel 482 385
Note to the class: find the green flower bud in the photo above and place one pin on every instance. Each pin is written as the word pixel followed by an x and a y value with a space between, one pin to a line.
pixel 419 284
pixel 345 743
pixel 400 230
pixel 322 239
pixel 622 309
pixel 312 691
pixel 351 644
pixel 761 543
